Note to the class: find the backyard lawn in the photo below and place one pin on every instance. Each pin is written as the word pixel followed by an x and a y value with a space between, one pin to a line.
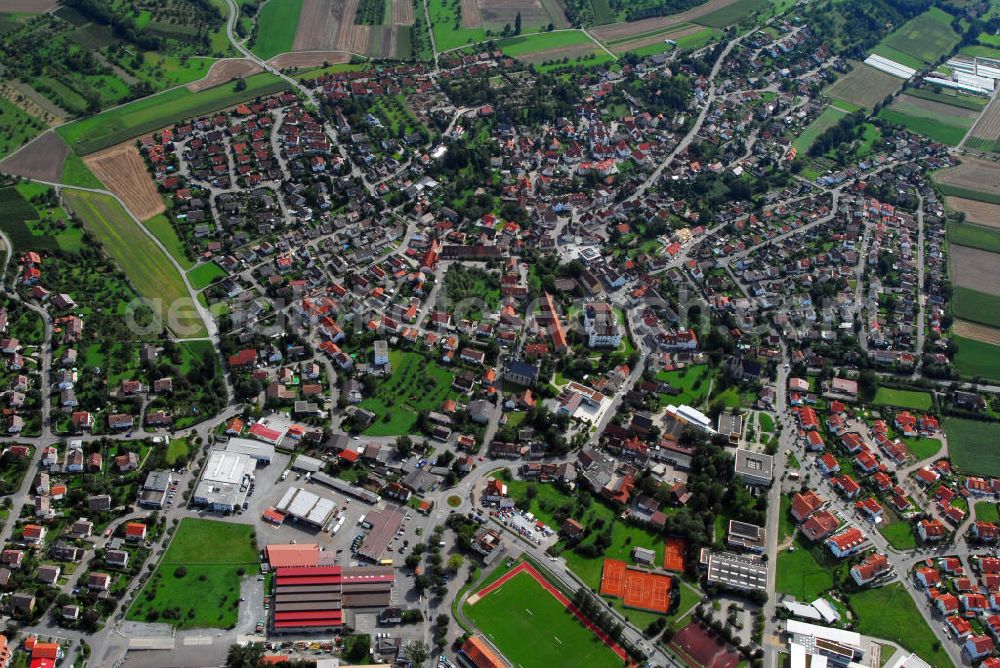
pixel 417 384
pixel 899 534
pixel 919 401
pixel 807 572
pixel 986 511
pixel 921 447
pixel 205 274
pixel 692 381
pixel 207 557
pixel 889 612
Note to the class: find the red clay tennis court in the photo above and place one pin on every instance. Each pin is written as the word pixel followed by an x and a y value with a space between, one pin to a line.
pixel 673 554
pixel 613 578
pixel 637 588
pixel 698 646
pixel 647 591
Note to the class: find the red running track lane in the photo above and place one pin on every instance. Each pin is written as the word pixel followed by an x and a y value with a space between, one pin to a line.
pixel 525 567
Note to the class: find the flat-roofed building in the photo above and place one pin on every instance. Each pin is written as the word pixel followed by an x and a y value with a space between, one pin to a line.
pixel 385 523
pixel 735 571
pixel 754 468
pixel 746 536
pixel 304 506
pixel 312 599
pixel 225 481
pixel 260 451
pixel 154 489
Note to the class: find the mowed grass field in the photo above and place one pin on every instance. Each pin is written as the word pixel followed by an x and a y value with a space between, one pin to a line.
pixel 918 401
pixel 929 118
pixel 825 120
pixel 731 14
pixel 986 511
pixel 277 22
pixel 417 383
pixel 148 269
pixel 447 26
pixel 208 594
pixel 863 86
pixel 800 574
pixel 543 41
pixel 534 630
pixel 972 445
pixel 926 37
pixel 157 111
pixel 889 612
pixel 976 358
pixel 975 306
pixel 974 236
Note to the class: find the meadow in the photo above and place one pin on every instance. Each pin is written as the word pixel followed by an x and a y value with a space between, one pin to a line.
pixel 824 121
pixel 130 120
pixel 417 383
pixel 543 41
pixel 282 19
pixel 975 306
pixel 148 270
pixel 446 22
pixel 974 236
pixel 206 556
pixel 972 445
pixel 926 37
pixel 975 358
pixel 926 124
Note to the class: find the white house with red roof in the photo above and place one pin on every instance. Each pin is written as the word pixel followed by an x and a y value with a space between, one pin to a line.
pixel 931 530
pixel 828 464
pixel 846 485
pixel 927 577
pixel 871 509
pixel 978 647
pixel 847 542
pixel 985 532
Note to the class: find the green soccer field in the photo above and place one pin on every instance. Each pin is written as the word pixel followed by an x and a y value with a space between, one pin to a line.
pixel 511 617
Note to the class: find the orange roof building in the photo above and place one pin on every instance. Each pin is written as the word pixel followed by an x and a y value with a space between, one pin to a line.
pixel 282 555
pixel 480 654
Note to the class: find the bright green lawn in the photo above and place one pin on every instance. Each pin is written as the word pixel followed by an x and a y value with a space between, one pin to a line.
pixel 899 534
pixel 766 422
pixel 212 552
pixel 205 274
pixel 178 447
pixel 533 43
pixel 807 572
pixel 147 268
pixel 976 358
pixel 157 111
pixel 889 612
pixel 986 511
pixel 824 121
pixel 161 228
pixel 933 128
pixel 417 383
pixel 76 173
pixel 920 401
pixel 534 630
pixel 446 22
pixel 692 381
pixel 277 21
pixel 921 447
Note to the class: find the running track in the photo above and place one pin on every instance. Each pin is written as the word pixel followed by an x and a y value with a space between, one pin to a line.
pixel 525 567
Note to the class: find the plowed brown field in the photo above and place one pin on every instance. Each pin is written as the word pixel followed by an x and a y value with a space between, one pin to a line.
pixel 225 70
pixel 320 23
pixel 981 213
pixel 123 171
pixel 42 158
pixel 627 29
pixel 402 12
pixel 309 59
pixel 977 332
